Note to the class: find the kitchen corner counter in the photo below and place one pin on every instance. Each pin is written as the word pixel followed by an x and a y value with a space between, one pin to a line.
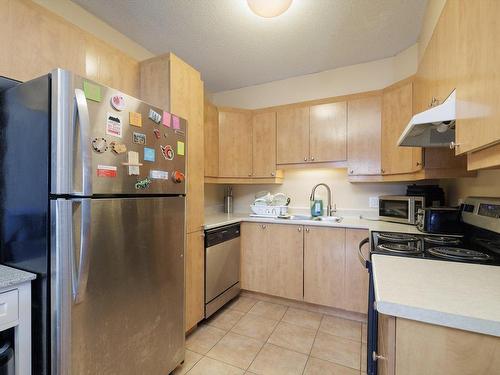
pixel 457 295
pixel 11 276
pixel 221 219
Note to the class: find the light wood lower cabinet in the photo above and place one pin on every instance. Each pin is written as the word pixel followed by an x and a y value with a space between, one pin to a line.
pixel 408 347
pixel 324 266
pixel 315 264
pixel 271 259
pixel 285 265
pixel 194 266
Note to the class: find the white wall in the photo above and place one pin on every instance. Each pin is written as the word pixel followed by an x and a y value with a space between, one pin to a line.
pixel 352 79
pixel 298 184
pixel 486 184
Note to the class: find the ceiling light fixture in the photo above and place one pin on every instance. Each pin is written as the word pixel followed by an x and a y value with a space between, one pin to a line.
pixel 269 8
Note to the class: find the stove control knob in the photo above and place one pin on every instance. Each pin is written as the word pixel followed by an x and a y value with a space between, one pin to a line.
pixel 178 177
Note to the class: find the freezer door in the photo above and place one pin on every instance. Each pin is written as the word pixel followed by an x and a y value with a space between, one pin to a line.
pixel 106 142
pixel 117 286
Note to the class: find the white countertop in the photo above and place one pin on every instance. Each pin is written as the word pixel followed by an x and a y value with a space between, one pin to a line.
pixel 11 276
pixel 220 219
pixel 458 295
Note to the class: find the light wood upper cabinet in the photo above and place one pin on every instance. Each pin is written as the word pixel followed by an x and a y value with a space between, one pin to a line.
pixel 254 250
pixel 194 261
pixel 235 143
pixel 396 113
pixel 364 134
pixel 356 275
pixel 324 266
pixel 328 132
pixel 211 140
pixel 285 261
pixel 264 144
pixel 293 135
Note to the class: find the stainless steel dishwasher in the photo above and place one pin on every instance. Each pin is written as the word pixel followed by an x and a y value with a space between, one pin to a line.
pixel 222 266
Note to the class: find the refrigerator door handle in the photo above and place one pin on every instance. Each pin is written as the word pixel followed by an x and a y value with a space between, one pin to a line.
pixel 80 271
pixel 82 113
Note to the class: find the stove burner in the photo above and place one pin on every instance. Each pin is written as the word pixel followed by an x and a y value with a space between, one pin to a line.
pixel 399 248
pixel 456 253
pixel 493 245
pixel 442 240
pixel 397 237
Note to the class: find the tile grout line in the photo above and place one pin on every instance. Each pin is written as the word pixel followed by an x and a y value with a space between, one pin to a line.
pixel 312 346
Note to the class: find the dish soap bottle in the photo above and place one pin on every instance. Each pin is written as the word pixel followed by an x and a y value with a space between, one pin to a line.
pixel 316 208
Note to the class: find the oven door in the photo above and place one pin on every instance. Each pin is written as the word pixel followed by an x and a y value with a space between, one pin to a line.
pixel 372 331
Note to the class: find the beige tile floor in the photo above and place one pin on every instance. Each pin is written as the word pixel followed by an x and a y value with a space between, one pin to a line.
pixel 252 336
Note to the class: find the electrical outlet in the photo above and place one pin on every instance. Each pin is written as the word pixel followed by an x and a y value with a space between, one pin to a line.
pixel 373 202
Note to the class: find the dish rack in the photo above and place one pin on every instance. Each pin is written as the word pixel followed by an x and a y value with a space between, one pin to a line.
pixel 268 211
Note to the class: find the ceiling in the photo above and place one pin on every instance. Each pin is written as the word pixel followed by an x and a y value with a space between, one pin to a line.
pixel 234 48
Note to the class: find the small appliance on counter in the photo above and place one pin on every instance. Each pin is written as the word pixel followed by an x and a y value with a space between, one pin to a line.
pixel 404 208
pixel 479 243
pixel 439 220
pixel 228 200
pixel 269 205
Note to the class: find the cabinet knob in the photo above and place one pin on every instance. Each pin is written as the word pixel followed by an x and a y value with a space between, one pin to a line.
pixel 454 145
pixel 351 171
pixel 307 230
pixel 249 175
pixel 376 356
pixel 299 229
pixel 382 170
pixel 419 164
pixel 312 158
pixel 305 159
pixel 264 226
pixel 273 174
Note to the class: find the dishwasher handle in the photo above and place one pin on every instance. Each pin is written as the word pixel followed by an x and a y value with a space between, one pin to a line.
pixel 364 262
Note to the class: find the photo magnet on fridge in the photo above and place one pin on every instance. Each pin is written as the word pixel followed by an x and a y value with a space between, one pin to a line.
pixel 114 125
pixel 155 116
pixel 149 154
pixel 139 138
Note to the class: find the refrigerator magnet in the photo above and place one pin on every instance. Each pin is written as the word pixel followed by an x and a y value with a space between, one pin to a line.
pixel 158 175
pixel 106 171
pixel 166 119
pixel 139 138
pixel 92 91
pixel 167 152
pixel 149 154
pixel 180 148
pixel 157 133
pixel 143 184
pixel 155 116
pixel 135 119
pixel 118 102
pixel 176 122
pixel 99 145
pixel 114 125
pixel 118 148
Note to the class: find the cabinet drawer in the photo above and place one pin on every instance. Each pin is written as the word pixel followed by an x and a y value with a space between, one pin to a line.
pixel 9 307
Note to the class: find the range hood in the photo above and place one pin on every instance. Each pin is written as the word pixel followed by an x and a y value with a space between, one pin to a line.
pixel 434 127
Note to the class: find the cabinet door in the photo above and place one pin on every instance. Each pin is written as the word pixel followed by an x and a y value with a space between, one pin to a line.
pixel 285 263
pixel 254 257
pixel 211 116
pixel 356 275
pixel 194 261
pixel 293 135
pixel 324 266
pixel 328 132
pixel 235 144
pixel 396 113
pixel 387 345
pixel 363 132
pixel 264 144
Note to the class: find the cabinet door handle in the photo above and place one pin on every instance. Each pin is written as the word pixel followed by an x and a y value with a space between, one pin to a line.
pixel 263 226
pixel 454 145
pixel 249 175
pixel 273 174
pixel 376 356
pixel 299 229
pixel 305 159
pixel 312 158
pixel 382 170
pixel 307 230
pixel 351 171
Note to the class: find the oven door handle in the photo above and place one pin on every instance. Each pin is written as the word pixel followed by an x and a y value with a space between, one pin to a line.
pixel 361 257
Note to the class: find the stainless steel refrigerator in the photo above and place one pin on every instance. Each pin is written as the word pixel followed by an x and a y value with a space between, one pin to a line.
pixel 93 201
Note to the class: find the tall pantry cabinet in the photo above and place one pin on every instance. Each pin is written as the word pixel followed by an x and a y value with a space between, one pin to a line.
pixel 170 83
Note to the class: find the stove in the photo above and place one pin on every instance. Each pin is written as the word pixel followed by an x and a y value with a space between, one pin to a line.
pixel 480 242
